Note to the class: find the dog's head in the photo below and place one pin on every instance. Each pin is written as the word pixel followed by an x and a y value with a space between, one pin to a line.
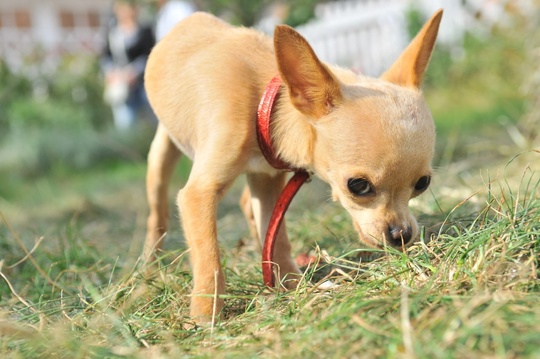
pixel 372 140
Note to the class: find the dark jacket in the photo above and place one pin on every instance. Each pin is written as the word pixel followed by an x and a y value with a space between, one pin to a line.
pixel 133 53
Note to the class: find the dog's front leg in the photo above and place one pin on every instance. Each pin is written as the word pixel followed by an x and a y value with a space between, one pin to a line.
pixel 197 202
pixel 265 191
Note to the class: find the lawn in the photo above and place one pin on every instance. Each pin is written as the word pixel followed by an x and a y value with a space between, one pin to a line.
pixel 72 288
pixel 71 232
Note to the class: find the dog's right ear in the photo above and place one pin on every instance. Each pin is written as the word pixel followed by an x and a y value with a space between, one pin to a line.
pixel 313 89
pixel 409 68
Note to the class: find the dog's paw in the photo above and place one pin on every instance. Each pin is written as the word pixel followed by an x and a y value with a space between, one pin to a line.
pixel 205 309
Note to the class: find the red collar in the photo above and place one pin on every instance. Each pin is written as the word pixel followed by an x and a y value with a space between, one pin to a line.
pixel 265 143
pixel 263 124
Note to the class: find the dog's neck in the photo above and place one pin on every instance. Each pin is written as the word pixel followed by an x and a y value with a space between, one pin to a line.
pixel 292 134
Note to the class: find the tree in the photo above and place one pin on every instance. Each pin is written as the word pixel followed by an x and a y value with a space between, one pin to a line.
pixel 248 12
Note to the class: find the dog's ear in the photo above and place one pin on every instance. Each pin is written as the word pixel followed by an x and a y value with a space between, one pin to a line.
pixel 409 68
pixel 313 89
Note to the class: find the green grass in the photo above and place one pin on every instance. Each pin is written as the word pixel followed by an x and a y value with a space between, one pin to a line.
pixel 471 291
pixel 72 225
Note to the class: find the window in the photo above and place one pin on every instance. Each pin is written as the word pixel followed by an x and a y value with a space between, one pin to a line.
pixel 93 19
pixel 22 19
pixel 67 19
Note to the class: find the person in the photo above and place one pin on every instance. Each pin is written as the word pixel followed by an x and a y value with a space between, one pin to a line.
pixel 170 13
pixel 128 44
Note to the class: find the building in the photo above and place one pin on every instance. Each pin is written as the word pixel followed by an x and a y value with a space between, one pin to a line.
pixel 45 30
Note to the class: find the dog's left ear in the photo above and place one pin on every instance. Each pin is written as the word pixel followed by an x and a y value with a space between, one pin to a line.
pixel 313 89
pixel 409 68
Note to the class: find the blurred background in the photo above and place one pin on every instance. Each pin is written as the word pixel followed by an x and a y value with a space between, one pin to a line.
pixel 68 163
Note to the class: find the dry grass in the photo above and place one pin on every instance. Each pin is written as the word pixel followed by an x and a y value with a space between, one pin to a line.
pixel 70 286
pixel 471 291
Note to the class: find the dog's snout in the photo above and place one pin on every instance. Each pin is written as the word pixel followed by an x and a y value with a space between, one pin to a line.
pixel 398 236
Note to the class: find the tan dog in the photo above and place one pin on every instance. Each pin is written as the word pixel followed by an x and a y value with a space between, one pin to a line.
pixel 370 139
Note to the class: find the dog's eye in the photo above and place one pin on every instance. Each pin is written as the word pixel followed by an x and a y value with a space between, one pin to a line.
pixel 422 184
pixel 359 186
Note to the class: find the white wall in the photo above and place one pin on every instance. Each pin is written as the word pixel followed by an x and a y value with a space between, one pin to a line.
pixel 46 37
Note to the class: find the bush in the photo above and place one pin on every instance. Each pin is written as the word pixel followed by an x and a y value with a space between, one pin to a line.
pixel 60 121
pixel 35 152
pixel 12 87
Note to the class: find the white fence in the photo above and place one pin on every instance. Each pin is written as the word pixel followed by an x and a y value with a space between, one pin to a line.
pixel 363 35
pixel 368 35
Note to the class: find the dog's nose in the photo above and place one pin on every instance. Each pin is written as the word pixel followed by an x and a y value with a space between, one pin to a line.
pixel 398 236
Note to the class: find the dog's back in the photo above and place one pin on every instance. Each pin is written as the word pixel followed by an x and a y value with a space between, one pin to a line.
pixel 203 69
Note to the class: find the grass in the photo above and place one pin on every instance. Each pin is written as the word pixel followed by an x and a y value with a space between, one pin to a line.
pixel 71 232
pixel 470 291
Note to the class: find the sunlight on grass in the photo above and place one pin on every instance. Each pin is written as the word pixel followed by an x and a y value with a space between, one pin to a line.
pixel 473 288
pixel 72 223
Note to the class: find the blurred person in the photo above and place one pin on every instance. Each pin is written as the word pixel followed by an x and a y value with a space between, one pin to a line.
pixel 128 44
pixel 170 13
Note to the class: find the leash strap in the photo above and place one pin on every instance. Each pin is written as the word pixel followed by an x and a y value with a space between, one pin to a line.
pixel 291 188
pixel 278 214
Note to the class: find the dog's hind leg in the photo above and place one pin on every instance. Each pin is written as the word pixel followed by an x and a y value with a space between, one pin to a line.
pixel 247 210
pixel 265 191
pixel 162 159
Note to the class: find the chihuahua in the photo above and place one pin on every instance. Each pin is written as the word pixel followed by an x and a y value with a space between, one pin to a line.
pixel 371 139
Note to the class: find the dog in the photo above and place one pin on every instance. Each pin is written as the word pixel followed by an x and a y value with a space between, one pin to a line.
pixel 371 139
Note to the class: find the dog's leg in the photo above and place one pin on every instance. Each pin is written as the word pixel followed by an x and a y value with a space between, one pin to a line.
pixel 162 159
pixel 198 201
pixel 247 210
pixel 265 191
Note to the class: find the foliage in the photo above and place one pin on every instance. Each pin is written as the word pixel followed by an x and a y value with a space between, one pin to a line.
pixel 76 84
pixel 301 11
pixel 531 122
pixel 247 13
pixel 13 87
pixel 59 122
pixel 243 12
pixel 482 86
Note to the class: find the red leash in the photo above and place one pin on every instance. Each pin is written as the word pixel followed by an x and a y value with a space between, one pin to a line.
pixel 291 188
